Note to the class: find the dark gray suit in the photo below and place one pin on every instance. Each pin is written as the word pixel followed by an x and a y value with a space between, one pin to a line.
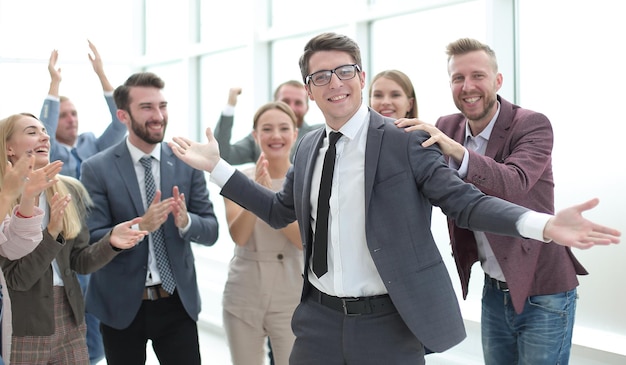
pixel 403 181
pixel 115 291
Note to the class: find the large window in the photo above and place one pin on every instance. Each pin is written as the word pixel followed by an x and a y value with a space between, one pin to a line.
pixel 560 58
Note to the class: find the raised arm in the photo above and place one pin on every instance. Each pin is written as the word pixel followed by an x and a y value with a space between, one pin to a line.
pixel 243 151
pixel 116 129
pixel 49 115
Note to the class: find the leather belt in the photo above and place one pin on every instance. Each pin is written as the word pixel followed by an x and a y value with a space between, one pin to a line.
pixel 155 292
pixel 354 306
pixel 500 285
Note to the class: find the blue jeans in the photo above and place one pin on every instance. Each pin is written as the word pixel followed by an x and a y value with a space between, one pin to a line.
pixel 94 338
pixel 540 335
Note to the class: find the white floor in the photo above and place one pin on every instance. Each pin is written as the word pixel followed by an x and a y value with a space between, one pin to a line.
pixel 214 351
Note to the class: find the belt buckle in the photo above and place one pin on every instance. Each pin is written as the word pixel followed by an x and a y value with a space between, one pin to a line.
pixel 344 304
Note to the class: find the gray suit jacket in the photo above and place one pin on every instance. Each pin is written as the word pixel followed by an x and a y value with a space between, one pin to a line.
pixel 245 150
pixel 87 143
pixel 403 181
pixel 115 291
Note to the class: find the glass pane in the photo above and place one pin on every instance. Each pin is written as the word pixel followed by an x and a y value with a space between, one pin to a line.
pixel 409 44
pixel 30 36
pixel 167 26
pixel 572 74
pixel 289 13
pixel 227 23
pixel 176 93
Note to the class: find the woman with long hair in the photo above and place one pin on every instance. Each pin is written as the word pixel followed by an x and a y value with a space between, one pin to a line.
pixel 48 308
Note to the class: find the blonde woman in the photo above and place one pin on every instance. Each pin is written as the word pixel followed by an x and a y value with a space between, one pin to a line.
pixel 47 303
pixel 265 275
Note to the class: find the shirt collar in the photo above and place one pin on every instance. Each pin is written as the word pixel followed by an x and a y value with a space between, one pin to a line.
pixel 486 133
pixel 136 154
pixel 354 124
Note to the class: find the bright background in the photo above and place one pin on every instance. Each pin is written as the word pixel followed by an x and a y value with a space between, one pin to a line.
pixel 558 57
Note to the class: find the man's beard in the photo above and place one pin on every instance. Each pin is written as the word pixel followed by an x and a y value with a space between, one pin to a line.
pixel 143 133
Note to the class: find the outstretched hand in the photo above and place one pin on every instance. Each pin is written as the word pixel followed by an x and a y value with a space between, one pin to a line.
pixel 124 236
pixel 197 155
pixel 569 228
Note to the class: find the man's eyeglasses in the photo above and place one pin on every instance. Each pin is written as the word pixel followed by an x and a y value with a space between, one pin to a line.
pixel 345 72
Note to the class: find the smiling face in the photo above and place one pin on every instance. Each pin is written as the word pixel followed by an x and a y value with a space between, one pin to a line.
pixel 296 98
pixel 389 99
pixel 146 118
pixel 275 133
pixel 67 129
pixel 26 135
pixel 339 99
pixel 474 82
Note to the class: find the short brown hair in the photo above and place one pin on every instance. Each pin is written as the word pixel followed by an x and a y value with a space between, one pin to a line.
pixel 121 95
pixel 466 45
pixel 328 42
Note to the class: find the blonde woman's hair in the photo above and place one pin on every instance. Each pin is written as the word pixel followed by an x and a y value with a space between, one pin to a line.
pixel 76 210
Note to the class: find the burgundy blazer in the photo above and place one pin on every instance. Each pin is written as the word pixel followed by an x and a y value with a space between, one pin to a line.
pixel 517 166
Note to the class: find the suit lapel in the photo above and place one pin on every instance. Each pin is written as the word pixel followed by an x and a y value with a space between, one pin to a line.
pixel 168 171
pixel 500 131
pixel 126 171
pixel 372 151
pixel 317 138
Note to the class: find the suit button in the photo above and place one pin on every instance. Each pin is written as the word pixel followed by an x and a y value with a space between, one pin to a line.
pixel 279 256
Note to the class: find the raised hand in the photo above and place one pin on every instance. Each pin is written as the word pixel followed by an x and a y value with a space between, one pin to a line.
pixel 179 211
pixel 16 177
pixel 55 73
pixel 197 155
pixel 41 179
pixel 98 67
pixel 262 174
pixel 57 212
pixel 157 213
pixel 124 237
pixel 233 93
pixel 569 228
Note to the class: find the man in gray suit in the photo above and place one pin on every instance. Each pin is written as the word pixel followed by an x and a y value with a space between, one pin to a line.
pixel 148 292
pixel 385 293
pixel 246 150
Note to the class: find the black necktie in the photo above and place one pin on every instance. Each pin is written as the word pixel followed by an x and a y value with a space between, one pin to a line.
pixel 158 240
pixel 320 246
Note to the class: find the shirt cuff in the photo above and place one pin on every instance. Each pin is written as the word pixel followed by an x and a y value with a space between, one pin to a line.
pixel 222 173
pixel 53 98
pixel 228 110
pixel 462 170
pixel 108 93
pixel 184 230
pixel 532 224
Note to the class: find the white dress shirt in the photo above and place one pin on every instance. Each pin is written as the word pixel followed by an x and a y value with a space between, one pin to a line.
pixel 351 270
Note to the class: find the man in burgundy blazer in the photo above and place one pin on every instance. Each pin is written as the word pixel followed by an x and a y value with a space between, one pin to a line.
pixel 529 298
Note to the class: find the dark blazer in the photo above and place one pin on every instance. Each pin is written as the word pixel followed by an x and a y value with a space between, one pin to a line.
pixel 115 291
pixel 517 166
pixel 403 181
pixel 29 279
